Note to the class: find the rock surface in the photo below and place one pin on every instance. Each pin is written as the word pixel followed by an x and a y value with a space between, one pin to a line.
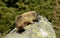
pixel 41 29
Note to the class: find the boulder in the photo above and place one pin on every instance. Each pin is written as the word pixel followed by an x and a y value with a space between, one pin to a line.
pixel 41 29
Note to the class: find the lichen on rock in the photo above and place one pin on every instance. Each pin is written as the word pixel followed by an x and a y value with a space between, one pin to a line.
pixel 41 29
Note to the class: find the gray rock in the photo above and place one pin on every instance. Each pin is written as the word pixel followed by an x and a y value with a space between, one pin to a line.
pixel 41 29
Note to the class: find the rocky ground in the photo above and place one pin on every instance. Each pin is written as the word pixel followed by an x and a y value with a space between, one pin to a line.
pixel 41 29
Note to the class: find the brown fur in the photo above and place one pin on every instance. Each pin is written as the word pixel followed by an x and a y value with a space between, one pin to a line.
pixel 25 19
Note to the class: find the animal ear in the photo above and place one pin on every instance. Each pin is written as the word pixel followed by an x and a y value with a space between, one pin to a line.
pixel 18 17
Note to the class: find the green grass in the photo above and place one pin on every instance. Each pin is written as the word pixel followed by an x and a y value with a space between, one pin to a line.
pixel 47 8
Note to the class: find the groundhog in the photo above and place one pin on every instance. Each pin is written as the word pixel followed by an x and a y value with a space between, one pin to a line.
pixel 26 19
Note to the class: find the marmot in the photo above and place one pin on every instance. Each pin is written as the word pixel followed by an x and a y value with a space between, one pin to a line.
pixel 25 19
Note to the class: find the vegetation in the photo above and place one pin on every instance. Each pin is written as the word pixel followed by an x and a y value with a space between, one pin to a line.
pixel 9 9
